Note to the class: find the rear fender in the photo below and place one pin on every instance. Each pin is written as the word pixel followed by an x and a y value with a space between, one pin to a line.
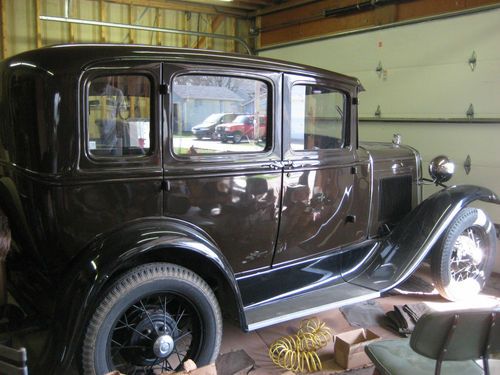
pixel 390 261
pixel 109 256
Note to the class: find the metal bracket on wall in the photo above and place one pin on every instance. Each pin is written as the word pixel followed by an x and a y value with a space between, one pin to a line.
pixel 379 69
pixel 378 112
pixel 470 112
pixel 467 164
pixel 473 61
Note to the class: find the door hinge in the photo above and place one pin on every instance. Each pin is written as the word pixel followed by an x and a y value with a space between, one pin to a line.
pixel 355 101
pixel 163 89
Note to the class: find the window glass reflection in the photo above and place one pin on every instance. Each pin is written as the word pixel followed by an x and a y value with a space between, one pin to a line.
pixel 219 114
pixel 119 116
pixel 317 118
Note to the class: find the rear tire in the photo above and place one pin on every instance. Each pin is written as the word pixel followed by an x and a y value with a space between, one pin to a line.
pixel 463 259
pixel 151 320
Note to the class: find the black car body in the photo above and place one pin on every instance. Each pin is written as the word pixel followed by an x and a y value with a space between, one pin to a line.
pixel 97 179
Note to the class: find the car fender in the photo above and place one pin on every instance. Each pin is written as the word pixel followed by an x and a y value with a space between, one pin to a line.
pixel 112 254
pixel 386 263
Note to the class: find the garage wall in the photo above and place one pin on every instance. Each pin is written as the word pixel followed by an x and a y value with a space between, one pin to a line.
pixel 426 76
pixel 20 28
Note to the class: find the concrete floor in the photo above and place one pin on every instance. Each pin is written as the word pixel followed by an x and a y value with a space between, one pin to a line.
pixel 256 344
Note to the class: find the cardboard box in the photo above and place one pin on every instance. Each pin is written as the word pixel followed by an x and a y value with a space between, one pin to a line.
pixel 349 348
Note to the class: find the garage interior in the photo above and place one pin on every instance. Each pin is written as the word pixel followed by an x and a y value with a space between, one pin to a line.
pixel 431 71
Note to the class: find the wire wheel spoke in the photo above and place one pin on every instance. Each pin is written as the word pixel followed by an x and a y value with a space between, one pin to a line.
pixel 183 335
pixel 133 345
pixel 126 325
pixel 467 256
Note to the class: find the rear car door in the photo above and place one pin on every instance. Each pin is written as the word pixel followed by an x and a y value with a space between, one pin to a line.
pixel 326 182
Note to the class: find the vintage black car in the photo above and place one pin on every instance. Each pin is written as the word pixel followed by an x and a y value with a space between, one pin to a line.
pixel 131 238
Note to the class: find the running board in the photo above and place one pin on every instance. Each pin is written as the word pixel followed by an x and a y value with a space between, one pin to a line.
pixel 267 314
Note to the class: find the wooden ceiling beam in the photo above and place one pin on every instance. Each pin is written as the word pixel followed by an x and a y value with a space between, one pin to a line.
pixel 38 24
pixel 184 7
pixel 309 21
pixel 217 21
pixel 280 7
pixel 247 5
pixel 4 29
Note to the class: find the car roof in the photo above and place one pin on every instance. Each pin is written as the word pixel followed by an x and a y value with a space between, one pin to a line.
pixel 77 57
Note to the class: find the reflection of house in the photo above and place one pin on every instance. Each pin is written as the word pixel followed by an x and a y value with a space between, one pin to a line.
pixel 251 106
pixel 192 104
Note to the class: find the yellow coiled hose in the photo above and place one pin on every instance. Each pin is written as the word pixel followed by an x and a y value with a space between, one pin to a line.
pixel 298 353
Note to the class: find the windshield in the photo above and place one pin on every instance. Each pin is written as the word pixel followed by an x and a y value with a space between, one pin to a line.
pixel 213 118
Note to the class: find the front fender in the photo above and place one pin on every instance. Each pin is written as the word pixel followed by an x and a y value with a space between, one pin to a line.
pixel 390 261
pixel 110 255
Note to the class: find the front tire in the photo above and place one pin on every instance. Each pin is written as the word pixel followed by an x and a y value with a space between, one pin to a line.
pixel 463 259
pixel 237 136
pixel 151 320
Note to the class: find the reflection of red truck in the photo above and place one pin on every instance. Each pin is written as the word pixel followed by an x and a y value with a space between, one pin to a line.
pixel 241 127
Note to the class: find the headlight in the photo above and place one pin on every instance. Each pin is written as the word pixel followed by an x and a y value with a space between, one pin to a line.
pixel 441 169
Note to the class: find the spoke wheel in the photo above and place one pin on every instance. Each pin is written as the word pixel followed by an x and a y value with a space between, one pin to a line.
pixel 463 259
pixel 467 255
pixel 152 320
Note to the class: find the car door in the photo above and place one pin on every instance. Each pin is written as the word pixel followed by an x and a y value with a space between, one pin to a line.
pixel 326 182
pixel 230 190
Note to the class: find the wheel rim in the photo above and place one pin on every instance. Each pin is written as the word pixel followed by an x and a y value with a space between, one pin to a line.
pixel 155 334
pixel 468 256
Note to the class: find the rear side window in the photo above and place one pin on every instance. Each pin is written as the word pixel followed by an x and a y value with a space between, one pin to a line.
pixel 214 114
pixel 317 118
pixel 119 116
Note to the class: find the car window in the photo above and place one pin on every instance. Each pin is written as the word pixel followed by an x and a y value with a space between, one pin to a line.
pixel 214 114
pixel 119 116
pixel 317 118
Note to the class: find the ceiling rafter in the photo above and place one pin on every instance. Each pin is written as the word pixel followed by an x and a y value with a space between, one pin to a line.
pixel 216 22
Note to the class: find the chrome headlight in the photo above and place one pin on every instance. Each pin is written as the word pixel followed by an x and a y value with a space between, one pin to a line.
pixel 441 169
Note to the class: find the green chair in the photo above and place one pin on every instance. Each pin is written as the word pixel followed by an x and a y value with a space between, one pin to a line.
pixel 442 343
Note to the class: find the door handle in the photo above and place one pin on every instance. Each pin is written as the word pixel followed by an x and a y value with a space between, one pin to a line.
pixel 277 164
pixel 292 164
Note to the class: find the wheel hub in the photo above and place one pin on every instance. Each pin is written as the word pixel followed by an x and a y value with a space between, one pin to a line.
pixel 163 346
pixel 154 332
pixel 468 249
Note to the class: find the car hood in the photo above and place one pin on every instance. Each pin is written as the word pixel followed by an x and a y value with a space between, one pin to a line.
pixel 204 125
pixel 386 150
